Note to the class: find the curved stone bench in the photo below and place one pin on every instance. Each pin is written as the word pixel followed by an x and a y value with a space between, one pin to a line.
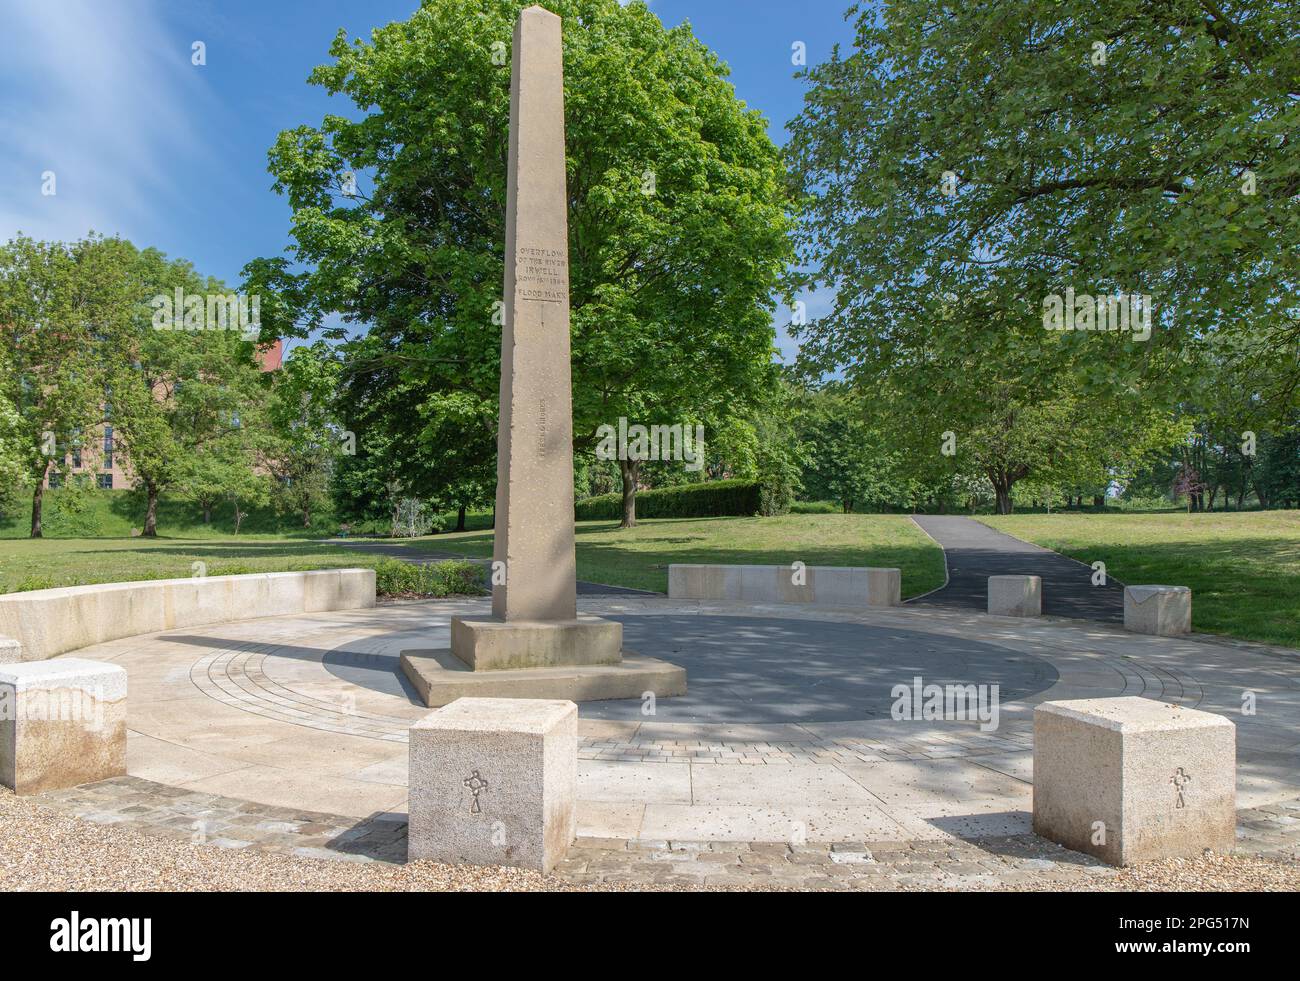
pixel 49 622
pixel 821 585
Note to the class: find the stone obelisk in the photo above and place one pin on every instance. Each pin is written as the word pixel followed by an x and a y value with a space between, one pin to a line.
pixel 534 611
pixel 534 534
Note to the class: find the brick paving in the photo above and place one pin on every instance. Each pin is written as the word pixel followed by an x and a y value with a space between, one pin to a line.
pixel 1002 862
pixel 224 822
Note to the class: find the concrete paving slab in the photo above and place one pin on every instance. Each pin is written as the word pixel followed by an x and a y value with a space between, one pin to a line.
pixel 788 823
pixel 768 785
pixel 952 780
pixel 633 783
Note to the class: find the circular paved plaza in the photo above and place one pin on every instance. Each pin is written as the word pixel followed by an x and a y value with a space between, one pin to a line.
pixel 786 734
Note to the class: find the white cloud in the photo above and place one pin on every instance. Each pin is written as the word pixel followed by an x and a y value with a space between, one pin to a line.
pixel 102 95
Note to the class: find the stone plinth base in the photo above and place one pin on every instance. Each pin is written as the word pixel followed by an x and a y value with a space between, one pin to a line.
pixel 1015 596
pixel 494 781
pixel 505 645
pixel 10 650
pixel 1132 779
pixel 818 585
pixel 62 723
pixel 1163 610
pixel 440 677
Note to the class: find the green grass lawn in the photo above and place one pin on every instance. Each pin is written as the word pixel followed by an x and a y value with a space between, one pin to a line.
pixel 1243 567
pixel 46 562
pixel 639 557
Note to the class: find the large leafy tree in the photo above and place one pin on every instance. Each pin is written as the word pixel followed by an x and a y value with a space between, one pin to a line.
pixel 11 439
pixel 60 303
pixel 849 457
pixel 677 223
pixel 963 162
pixel 177 394
pixel 308 439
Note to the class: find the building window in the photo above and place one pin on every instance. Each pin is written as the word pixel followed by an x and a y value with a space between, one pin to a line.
pixel 56 479
pixel 108 447
pixel 105 481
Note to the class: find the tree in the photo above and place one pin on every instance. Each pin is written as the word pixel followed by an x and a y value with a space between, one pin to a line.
pixel 677 222
pixel 176 395
pixel 308 439
pixel 227 470
pixel 960 170
pixel 848 460
pixel 12 470
pixel 1278 472
pixel 58 305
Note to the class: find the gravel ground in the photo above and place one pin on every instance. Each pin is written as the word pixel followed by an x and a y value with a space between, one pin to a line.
pixel 41 849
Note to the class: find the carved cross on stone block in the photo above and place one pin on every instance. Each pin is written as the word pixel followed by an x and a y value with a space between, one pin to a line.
pixel 1180 780
pixel 475 785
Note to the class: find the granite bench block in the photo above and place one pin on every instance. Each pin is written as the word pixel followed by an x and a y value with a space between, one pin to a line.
pixel 1134 779
pixel 494 781
pixel 1015 596
pixel 62 723
pixel 1163 610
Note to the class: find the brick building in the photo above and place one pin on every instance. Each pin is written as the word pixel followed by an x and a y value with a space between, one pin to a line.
pixel 97 453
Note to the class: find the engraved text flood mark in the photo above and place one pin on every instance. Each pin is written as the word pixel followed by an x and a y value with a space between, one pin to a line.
pixel 542 274
pixel 475 785
pixel 1180 780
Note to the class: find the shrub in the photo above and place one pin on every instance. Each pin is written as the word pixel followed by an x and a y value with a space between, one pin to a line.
pixel 815 507
pixel 452 578
pixel 713 499
pixel 775 494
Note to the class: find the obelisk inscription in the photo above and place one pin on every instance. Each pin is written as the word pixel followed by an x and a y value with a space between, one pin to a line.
pixel 534 514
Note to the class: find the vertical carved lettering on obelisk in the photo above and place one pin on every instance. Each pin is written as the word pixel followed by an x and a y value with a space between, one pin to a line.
pixel 541 429
pixel 534 521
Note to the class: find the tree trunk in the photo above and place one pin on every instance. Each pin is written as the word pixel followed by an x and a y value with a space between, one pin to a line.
pixel 629 469
pixel 460 518
pixel 1002 489
pixel 306 517
pixel 37 503
pixel 207 514
pixel 1099 500
pixel 151 512
pixel 239 517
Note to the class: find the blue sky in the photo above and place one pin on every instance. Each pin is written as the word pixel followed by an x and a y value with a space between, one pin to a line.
pixel 145 144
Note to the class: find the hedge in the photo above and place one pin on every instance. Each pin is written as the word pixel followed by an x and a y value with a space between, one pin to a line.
pixel 714 499
pixel 451 578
